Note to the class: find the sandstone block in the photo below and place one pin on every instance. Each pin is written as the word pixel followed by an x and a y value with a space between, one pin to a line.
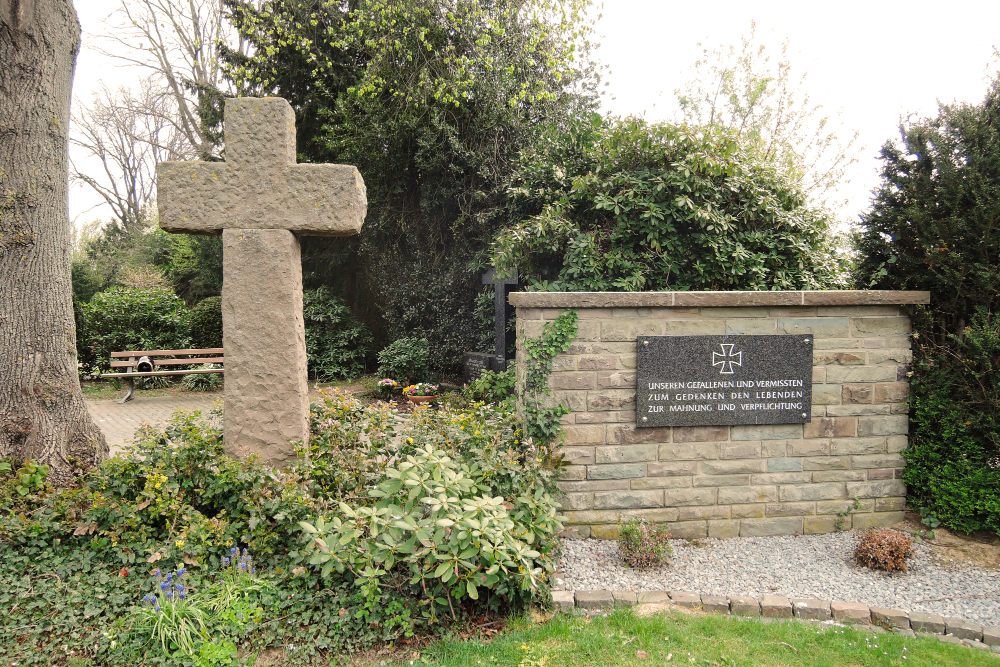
pixel 775 606
pixel 857 393
pixel 963 629
pixel 883 488
pixel 748 494
pixel 744 606
pixel 654 597
pixel 770 526
pixel 818 525
pixel 876 461
pixel 594 362
pixel 890 504
pixel 840 357
pixel 626 453
pixel 671 468
pixel 858 374
pixel 766 432
pixel 615 379
pixel 689 513
pixel 628 434
pixel 740 450
pixel 879 326
pixel 850 612
pixel 922 622
pixel 856 446
pixel 892 392
pixel 795 448
pixel 748 511
pixel 723 528
pixel 699 496
pixel 827 327
pixel 774 449
pixel 628 329
pixel 991 636
pixel 689 451
pixel 825 491
pixel 694 327
pixel 839 476
pixel 883 425
pixel 717 604
pixel 785 464
pixel 826 394
pixel 689 529
pixel 826 463
pixel 685 599
pixel 605 532
pixel 628 499
pixel 790 509
pixel 673 482
pixel 745 325
pixel 563 600
pixel 811 608
pixel 578 455
pixel 731 467
pixel 625 598
pixel 589 434
pixel 578 501
pixel 595 600
pixel 857 410
pixel 611 399
pixel 573 473
pixel 701 433
pixel 831 427
pixel 572 380
pixel 890 618
pixel 616 471
pixel 781 478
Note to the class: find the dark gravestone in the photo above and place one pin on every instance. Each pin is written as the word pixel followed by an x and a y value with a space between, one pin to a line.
pixel 503 312
pixel 723 380
pixel 475 363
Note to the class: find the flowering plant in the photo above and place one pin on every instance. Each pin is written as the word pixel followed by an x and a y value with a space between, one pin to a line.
pixel 386 387
pixel 169 618
pixel 421 389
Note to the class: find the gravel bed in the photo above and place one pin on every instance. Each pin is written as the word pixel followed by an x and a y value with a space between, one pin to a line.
pixel 811 566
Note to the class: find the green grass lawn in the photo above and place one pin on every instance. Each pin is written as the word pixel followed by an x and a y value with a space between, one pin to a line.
pixel 671 637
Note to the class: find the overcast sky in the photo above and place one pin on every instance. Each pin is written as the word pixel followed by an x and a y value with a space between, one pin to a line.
pixel 869 63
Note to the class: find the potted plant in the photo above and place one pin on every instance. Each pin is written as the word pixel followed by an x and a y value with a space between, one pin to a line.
pixel 386 388
pixel 421 392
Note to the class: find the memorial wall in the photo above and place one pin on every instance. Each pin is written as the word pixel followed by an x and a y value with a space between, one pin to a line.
pixel 731 413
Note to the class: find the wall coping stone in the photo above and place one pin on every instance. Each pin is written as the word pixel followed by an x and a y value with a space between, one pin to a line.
pixel 717 299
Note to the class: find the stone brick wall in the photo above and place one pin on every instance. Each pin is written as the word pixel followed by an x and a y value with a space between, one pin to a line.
pixel 725 481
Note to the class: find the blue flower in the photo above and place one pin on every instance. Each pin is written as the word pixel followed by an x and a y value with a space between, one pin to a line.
pixel 181 572
pixel 156 572
pixel 170 577
pixel 179 587
pixel 170 595
pixel 181 595
pixel 164 585
pixel 156 608
pixel 234 551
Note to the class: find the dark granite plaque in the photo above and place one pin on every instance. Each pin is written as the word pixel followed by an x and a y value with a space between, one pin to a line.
pixel 475 363
pixel 723 380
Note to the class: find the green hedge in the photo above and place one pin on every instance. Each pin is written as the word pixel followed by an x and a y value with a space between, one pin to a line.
pixel 134 319
pixel 337 344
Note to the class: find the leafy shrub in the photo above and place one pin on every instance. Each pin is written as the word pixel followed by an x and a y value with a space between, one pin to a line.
pixel 123 319
pixel 492 386
pixel 628 206
pixel 203 381
pixel 337 344
pixel 883 549
pixel 406 360
pixel 643 545
pixel 206 323
pixel 952 468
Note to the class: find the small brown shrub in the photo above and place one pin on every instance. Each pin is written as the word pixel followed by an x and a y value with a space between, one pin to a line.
pixel 643 545
pixel 883 549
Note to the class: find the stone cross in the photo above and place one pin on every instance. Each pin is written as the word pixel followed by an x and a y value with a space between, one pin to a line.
pixel 502 311
pixel 259 199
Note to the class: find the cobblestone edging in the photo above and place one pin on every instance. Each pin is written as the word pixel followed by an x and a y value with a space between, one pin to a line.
pixel 955 630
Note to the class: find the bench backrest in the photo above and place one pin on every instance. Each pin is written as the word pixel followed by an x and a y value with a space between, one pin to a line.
pixel 209 355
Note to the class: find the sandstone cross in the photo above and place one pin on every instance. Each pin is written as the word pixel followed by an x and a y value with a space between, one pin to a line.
pixel 259 199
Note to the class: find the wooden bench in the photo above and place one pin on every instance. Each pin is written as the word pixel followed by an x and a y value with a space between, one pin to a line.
pixel 130 360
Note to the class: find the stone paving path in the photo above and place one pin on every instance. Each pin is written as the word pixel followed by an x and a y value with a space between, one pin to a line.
pixel 119 421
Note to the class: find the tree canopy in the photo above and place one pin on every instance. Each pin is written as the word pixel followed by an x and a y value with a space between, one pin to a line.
pixel 432 101
pixel 933 223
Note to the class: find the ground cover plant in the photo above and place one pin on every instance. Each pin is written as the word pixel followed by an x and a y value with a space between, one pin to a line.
pixel 643 544
pixel 75 564
pixel 883 549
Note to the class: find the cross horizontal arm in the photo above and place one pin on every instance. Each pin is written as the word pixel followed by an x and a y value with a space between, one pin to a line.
pixel 308 199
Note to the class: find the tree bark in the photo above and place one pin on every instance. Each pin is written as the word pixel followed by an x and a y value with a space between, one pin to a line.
pixel 42 413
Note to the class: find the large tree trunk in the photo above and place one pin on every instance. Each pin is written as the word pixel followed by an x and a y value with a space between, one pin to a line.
pixel 42 413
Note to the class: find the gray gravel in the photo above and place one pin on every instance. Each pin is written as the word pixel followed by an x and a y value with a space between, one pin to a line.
pixel 812 566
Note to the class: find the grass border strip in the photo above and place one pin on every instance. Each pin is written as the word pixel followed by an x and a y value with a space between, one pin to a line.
pixel 946 628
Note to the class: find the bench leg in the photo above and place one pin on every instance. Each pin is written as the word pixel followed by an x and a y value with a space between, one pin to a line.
pixel 131 391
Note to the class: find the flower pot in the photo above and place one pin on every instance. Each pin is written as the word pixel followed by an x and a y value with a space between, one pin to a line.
pixel 420 399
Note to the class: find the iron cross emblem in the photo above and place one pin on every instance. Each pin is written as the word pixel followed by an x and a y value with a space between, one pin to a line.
pixel 727 359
